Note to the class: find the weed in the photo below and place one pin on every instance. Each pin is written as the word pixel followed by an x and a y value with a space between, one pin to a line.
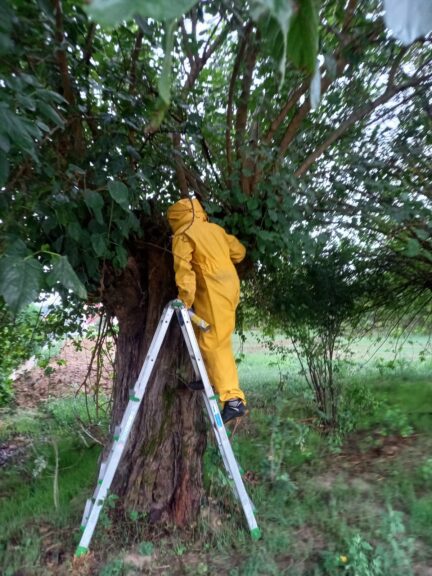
pixel 392 556
pixel 145 548
pixel 426 470
pixel 114 568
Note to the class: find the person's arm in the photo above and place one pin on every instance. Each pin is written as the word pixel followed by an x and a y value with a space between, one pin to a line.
pixel 184 274
pixel 236 248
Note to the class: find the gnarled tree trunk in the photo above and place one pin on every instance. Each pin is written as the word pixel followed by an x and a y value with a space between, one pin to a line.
pixel 161 470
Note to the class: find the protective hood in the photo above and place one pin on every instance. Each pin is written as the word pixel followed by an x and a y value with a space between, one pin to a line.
pixel 184 212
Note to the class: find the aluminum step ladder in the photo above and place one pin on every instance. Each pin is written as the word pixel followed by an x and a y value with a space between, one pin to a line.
pixel 121 434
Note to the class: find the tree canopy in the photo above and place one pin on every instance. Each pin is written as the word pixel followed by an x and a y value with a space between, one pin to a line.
pixel 101 129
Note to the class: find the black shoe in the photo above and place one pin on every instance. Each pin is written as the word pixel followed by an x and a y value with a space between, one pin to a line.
pixel 195 385
pixel 233 409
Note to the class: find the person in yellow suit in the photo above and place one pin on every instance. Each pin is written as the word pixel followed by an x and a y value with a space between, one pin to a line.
pixel 204 258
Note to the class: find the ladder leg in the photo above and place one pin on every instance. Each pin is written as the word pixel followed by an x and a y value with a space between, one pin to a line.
pixel 108 468
pixel 218 426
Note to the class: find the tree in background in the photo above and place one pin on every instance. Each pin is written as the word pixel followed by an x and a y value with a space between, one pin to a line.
pixel 100 130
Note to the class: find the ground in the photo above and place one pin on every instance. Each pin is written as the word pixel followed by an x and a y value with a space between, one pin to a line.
pixel 63 376
pixel 357 503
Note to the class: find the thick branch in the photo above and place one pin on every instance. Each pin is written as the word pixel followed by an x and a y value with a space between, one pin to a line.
pixel 134 60
pixel 242 108
pixel 229 114
pixel 294 125
pixel 68 92
pixel 198 63
pixel 77 139
pixel 179 166
pixel 289 105
pixel 88 49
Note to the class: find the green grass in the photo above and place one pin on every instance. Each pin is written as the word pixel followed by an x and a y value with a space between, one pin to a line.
pixel 27 487
pixel 365 498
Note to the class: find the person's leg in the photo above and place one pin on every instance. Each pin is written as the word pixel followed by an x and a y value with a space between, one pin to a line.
pixel 221 367
pixel 217 305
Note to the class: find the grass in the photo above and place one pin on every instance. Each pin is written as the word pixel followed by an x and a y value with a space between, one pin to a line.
pixel 358 507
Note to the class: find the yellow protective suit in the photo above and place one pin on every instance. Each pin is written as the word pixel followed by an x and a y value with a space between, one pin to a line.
pixel 207 280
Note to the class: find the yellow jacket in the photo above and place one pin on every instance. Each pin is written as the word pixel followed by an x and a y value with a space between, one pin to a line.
pixel 204 258
pixel 203 252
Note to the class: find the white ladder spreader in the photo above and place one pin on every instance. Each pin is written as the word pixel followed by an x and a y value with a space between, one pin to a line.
pixel 121 434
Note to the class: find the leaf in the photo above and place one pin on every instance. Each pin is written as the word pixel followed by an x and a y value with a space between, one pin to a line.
pixel 95 203
pixel 315 88
pixel 408 19
pixel 121 257
pixel 75 231
pixel 280 11
pixel 18 248
pixel 48 112
pixel 412 248
pixel 20 281
pixel 112 12
pixel 303 35
pixel 64 273
pixel 331 65
pixel 6 43
pixel 98 242
pixel 4 168
pixel 4 143
pixel 119 193
pixel 164 82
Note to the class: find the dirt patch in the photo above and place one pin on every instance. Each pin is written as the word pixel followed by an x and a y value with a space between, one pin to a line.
pixel 11 451
pixel 366 447
pixel 64 377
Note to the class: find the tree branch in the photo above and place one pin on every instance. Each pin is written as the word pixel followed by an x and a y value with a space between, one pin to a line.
pixel 198 63
pixel 134 60
pixel 356 116
pixel 179 166
pixel 229 113
pixel 288 106
pixel 77 135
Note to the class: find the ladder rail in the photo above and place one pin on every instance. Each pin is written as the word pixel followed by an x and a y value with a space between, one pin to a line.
pixel 219 429
pixel 127 422
pixel 109 467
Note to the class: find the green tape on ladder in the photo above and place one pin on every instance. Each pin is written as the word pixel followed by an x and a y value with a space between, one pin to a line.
pixel 116 436
pixel 134 399
pixel 80 551
pixel 256 533
pixel 214 397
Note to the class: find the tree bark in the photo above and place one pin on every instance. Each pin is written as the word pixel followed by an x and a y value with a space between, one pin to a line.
pixel 161 470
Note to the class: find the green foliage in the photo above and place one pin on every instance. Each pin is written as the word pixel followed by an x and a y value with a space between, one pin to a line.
pixel 20 338
pixel 393 556
pixel 36 331
pixel 114 568
pixel 303 35
pixel 116 11
pixel 312 305
pixel 146 548
pixel 20 281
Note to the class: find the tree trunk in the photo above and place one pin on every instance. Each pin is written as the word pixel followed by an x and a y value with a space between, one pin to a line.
pixel 161 470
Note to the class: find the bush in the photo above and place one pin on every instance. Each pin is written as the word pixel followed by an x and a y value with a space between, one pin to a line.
pixel 24 336
pixel 312 304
